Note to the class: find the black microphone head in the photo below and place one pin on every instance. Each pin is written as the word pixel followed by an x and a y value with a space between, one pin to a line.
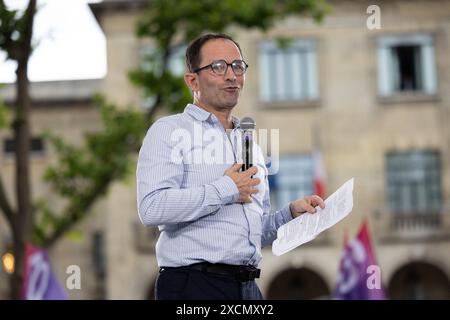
pixel 247 123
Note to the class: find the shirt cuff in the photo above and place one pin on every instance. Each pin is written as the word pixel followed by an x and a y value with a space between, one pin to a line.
pixel 286 214
pixel 226 189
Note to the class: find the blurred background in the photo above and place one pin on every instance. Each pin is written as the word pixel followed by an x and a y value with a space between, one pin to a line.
pixel 365 87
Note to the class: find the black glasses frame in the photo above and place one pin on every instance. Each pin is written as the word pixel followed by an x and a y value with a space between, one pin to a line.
pixel 226 69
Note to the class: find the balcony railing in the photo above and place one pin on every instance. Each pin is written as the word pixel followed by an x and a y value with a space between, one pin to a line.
pixel 413 225
pixel 416 221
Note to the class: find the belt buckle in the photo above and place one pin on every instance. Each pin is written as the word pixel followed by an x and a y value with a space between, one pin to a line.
pixel 243 275
pixel 255 273
pixel 248 273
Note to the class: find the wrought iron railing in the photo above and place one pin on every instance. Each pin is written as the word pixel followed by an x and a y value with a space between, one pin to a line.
pixel 416 221
pixel 392 225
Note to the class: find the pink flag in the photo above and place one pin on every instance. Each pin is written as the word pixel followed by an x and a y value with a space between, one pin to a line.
pixel 319 173
pixel 40 283
pixel 359 276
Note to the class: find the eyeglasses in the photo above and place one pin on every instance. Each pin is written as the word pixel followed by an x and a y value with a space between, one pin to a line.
pixel 220 67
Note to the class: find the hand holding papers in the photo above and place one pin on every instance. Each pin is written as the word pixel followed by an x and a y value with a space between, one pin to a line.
pixel 307 226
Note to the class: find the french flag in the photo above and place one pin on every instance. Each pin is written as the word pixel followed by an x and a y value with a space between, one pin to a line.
pixel 319 173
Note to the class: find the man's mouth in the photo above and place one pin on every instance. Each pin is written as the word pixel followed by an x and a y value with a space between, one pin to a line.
pixel 231 89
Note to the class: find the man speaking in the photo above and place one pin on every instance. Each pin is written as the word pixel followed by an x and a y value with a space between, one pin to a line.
pixel 213 213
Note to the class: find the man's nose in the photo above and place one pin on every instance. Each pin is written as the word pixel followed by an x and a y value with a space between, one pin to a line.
pixel 229 74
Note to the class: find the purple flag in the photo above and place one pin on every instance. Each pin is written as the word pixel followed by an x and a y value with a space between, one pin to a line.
pixel 359 276
pixel 40 283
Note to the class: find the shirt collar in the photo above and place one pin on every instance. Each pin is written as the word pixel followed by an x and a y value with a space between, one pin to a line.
pixel 203 115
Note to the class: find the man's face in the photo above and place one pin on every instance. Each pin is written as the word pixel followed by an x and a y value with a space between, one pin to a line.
pixel 211 89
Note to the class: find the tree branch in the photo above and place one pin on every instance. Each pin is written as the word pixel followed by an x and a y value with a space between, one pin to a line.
pixel 28 32
pixel 76 213
pixel 158 101
pixel 5 205
pixel 156 105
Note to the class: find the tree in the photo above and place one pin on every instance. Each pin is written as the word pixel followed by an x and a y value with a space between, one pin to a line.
pixel 16 29
pixel 82 174
pixel 171 24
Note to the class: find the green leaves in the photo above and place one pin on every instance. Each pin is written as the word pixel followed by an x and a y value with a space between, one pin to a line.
pixel 84 173
pixel 104 156
pixel 105 153
pixel 191 18
pixel 3 115
pixel 12 31
pixel 170 23
pixel 10 26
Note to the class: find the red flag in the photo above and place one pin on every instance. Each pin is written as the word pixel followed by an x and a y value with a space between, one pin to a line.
pixel 319 173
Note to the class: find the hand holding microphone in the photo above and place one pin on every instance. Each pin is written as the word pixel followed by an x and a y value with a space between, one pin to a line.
pixel 247 128
pixel 244 181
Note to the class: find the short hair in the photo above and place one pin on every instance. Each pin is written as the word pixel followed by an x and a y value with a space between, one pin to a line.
pixel 193 50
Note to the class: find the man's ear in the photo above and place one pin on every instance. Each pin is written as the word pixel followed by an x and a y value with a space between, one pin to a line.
pixel 191 81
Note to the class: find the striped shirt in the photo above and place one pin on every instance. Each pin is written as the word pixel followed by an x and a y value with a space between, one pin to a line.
pixel 182 189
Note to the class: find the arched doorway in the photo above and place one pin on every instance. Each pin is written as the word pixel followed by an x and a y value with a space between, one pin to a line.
pixel 419 280
pixel 296 284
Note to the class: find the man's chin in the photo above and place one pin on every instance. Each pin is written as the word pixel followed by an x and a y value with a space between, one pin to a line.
pixel 230 103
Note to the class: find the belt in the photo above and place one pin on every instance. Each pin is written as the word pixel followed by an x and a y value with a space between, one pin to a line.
pixel 239 273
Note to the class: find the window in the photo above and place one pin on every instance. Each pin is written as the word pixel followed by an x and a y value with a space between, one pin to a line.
pixel 406 64
pixel 293 180
pixel 288 74
pixel 413 181
pixel 37 146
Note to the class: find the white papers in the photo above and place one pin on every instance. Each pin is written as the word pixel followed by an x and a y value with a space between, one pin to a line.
pixel 307 226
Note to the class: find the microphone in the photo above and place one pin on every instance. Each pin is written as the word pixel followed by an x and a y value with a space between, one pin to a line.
pixel 247 125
